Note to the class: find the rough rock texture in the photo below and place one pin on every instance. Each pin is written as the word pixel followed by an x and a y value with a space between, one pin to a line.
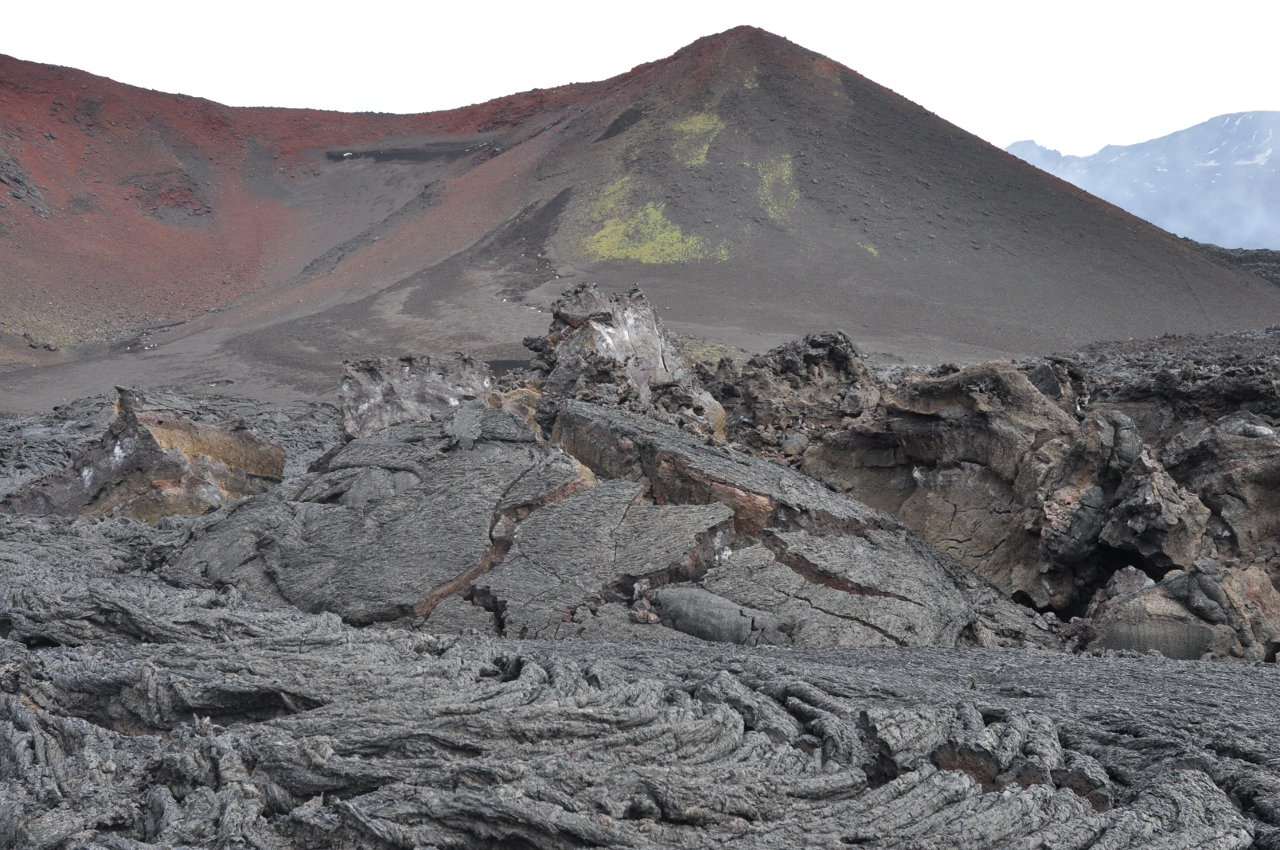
pixel 152 462
pixel 34 446
pixel 1206 611
pixel 533 619
pixel 378 394
pixel 593 548
pixel 312 734
pixel 953 456
pixel 80 582
pixel 818 383
pixel 613 350
pixel 388 525
pixel 611 347
pixel 135 714
pixel 804 565
pixel 567 540
pixel 1048 476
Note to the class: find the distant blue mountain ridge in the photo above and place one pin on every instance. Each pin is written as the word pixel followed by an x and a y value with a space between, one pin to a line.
pixel 1216 182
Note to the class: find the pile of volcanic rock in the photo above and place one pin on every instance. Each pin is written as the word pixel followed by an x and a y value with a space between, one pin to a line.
pixel 1112 499
pixel 611 602
pixel 1127 489
pixel 593 498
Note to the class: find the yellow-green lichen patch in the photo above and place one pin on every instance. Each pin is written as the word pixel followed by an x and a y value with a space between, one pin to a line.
pixel 699 350
pixel 613 200
pixel 777 194
pixel 869 248
pixel 694 136
pixel 642 232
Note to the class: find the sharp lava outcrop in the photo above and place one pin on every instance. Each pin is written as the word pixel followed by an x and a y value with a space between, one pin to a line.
pixel 152 463
pixel 1049 476
pixel 564 507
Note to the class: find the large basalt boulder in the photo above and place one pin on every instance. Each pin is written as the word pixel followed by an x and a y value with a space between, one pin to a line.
pixel 389 525
pixel 1207 611
pixel 611 529
pixel 1078 478
pixel 598 546
pixel 962 457
pixel 1233 465
pixel 612 348
pixel 1154 517
pixel 153 462
pixel 1102 498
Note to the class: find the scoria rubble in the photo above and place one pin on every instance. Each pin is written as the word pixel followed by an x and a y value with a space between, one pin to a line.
pixel 627 599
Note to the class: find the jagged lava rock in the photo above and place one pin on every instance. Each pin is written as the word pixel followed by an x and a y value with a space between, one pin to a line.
pixel 311 733
pixel 377 394
pixel 1049 476
pixel 388 525
pixel 817 383
pixel 812 566
pixel 613 350
pixel 152 463
pixel 957 456
pixel 556 539
pixel 162 685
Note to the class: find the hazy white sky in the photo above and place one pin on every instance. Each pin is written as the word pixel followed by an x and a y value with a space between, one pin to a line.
pixel 1073 75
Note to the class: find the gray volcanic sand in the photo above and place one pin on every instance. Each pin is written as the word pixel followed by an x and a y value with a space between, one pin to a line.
pixel 460 306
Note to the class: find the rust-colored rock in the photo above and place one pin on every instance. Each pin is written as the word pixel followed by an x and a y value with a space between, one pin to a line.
pixel 152 463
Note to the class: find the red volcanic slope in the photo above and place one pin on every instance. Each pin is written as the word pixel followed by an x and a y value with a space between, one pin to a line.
pixel 129 207
pixel 753 188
